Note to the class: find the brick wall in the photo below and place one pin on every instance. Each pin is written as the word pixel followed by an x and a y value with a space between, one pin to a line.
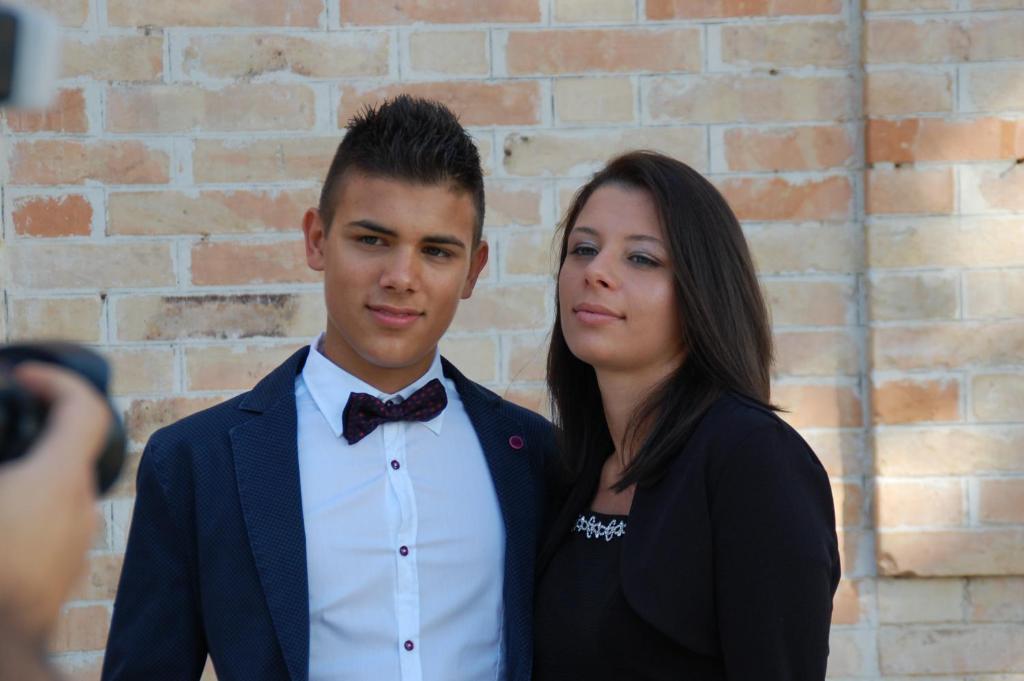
pixel 873 150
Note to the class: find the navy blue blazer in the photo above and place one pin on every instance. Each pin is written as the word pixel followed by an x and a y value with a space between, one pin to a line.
pixel 216 556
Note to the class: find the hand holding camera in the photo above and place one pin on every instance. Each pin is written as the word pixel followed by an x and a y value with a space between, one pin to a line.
pixel 47 498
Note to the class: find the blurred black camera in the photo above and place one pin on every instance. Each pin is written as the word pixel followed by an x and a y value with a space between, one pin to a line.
pixel 23 415
pixel 29 57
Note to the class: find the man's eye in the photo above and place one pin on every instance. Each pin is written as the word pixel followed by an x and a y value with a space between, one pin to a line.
pixel 437 252
pixel 369 240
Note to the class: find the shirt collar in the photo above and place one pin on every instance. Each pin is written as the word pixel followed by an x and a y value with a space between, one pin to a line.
pixel 330 386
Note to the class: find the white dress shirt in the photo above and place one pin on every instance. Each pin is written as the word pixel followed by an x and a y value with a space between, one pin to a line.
pixel 405 542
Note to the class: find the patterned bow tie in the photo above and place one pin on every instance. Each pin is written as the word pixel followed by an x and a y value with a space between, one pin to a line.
pixel 363 413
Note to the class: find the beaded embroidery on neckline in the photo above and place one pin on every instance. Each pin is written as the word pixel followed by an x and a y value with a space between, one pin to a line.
pixel 592 528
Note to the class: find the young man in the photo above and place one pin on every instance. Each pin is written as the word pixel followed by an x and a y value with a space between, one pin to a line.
pixel 364 512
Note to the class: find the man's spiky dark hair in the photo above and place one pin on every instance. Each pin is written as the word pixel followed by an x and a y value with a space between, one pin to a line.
pixel 411 139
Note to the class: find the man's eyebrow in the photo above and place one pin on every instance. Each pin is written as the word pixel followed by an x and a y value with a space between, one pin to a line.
pixel 372 226
pixel 631 237
pixel 442 239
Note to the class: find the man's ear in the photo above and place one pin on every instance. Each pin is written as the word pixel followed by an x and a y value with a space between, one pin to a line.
pixel 315 232
pixel 477 262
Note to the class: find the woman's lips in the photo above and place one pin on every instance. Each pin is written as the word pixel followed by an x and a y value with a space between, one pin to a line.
pixel 593 315
pixel 394 317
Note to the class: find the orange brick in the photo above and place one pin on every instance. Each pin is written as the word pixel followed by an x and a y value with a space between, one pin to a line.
pixel 998 599
pixel 208 212
pixel 994 294
pixel 951 553
pixel 816 353
pixel 996 4
pixel 145 416
pixel 585 11
pixel 780 199
pixel 908 601
pixel 908 41
pixel 578 153
pixel 238 107
pixel 263 160
pixel 911 401
pixel 846 603
pixel 220 316
pixel 217 13
pixel 244 56
pixel 119 58
pixel 948 346
pixel 945 242
pixel 854 545
pixel 791 148
pixel 820 44
pixel 594 100
pixel 232 367
pixel 71 319
pixel 476 356
pixel 906 190
pixel 475 102
pixel 992 188
pixel 512 204
pixel 609 50
pixel 818 406
pixel 914 296
pixel 91 265
pixel 140 370
pixel 463 53
pixel 998 397
pixel 996 38
pixel 949 650
pixel 948 450
pixel 851 652
pixel 898 93
pixel 72 162
pixel 531 253
pixel 991 89
pixel 66 115
pixel 447 12
pixel 516 307
pixel 908 5
pixel 840 451
pixel 828 247
pixel 81 628
pixel 929 139
pixel 802 302
pixel 849 502
pixel 71 13
pixel 660 10
pixel 724 98
pixel 225 263
pixel 1002 501
pixel 99 583
pixel 526 357
pixel 68 215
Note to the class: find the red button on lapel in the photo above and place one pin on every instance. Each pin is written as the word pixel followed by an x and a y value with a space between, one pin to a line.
pixel 516 442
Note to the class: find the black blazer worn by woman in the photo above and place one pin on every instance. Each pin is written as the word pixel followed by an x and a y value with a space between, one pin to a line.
pixel 729 562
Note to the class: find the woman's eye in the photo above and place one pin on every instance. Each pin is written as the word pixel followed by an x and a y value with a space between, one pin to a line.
pixel 583 249
pixel 645 261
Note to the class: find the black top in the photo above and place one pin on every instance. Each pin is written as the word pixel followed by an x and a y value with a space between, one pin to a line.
pixel 726 572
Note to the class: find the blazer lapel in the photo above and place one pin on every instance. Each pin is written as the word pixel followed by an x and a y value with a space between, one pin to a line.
pixel 507 452
pixel 267 469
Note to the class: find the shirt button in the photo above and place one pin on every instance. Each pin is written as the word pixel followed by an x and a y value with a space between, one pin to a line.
pixel 409 645
pixel 395 464
pixel 404 550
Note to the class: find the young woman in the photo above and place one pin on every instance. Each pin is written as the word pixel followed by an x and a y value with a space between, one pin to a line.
pixel 698 537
